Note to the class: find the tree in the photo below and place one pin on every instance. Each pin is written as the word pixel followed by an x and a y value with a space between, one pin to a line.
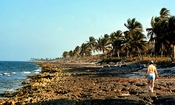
pixel 85 50
pixel 116 41
pixel 103 44
pixel 133 26
pixel 65 54
pixel 164 14
pixel 71 53
pixel 76 51
pixel 171 26
pixel 138 43
pixel 92 43
pixel 126 47
pixel 162 32
pixel 134 38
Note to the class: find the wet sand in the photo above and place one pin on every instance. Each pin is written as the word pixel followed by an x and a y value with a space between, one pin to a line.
pixel 71 84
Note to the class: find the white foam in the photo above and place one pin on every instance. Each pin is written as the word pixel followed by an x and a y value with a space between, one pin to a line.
pixel 38 70
pixel 13 73
pixel 26 72
pixel 10 90
pixel 6 74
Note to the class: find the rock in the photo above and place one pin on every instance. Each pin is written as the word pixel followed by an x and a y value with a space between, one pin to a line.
pixel 141 84
pixel 63 85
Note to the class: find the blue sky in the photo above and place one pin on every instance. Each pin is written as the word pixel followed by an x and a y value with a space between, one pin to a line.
pixel 47 28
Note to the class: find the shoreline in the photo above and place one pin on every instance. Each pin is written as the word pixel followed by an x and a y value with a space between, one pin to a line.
pixel 13 74
pixel 75 84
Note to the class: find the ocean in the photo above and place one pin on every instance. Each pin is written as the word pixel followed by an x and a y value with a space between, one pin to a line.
pixel 13 73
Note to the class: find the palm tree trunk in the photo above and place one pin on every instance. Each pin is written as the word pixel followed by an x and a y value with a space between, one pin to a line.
pixel 127 54
pixel 118 54
pixel 174 53
pixel 139 55
pixel 161 53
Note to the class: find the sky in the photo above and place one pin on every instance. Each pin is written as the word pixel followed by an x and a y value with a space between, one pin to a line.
pixel 47 28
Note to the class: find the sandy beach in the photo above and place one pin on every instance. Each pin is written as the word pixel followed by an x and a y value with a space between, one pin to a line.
pixel 71 84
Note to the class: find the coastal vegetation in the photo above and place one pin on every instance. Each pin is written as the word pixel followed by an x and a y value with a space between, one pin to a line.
pixel 132 43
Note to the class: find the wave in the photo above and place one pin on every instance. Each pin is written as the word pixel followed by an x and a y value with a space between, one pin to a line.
pixel 12 74
pixel 26 72
pixel 38 70
pixel 7 74
pixel 7 90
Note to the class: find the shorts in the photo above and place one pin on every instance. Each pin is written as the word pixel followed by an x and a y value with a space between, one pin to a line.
pixel 151 76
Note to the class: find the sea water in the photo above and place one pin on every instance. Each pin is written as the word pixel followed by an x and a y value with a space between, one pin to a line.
pixel 13 73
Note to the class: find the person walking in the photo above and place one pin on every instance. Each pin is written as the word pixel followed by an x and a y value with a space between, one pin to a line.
pixel 151 75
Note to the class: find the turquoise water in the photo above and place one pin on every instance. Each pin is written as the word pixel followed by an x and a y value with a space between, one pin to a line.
pixel 13 73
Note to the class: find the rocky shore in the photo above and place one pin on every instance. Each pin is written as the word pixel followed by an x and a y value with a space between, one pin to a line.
pixel 77 84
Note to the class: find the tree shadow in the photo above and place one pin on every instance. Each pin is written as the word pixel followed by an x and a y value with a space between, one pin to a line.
pixel 91 102
pixel 98 72
pixel 170 100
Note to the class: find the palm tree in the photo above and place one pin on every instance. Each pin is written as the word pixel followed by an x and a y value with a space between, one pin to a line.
pixel 164 14
pixel 116 41
pixel 171 26
pixel 103 44
pixel 71 53
pixel 92 43
pixel 85 50
pixel 133 26
pixel 65 54
pixel 98 46
pixel 154 32
pixel 76 51
pixel 126 47
pixel 134 39
pixel 159 32
pixel 138 44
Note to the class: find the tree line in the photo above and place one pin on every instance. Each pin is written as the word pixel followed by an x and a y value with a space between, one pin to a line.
pixel 160 40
